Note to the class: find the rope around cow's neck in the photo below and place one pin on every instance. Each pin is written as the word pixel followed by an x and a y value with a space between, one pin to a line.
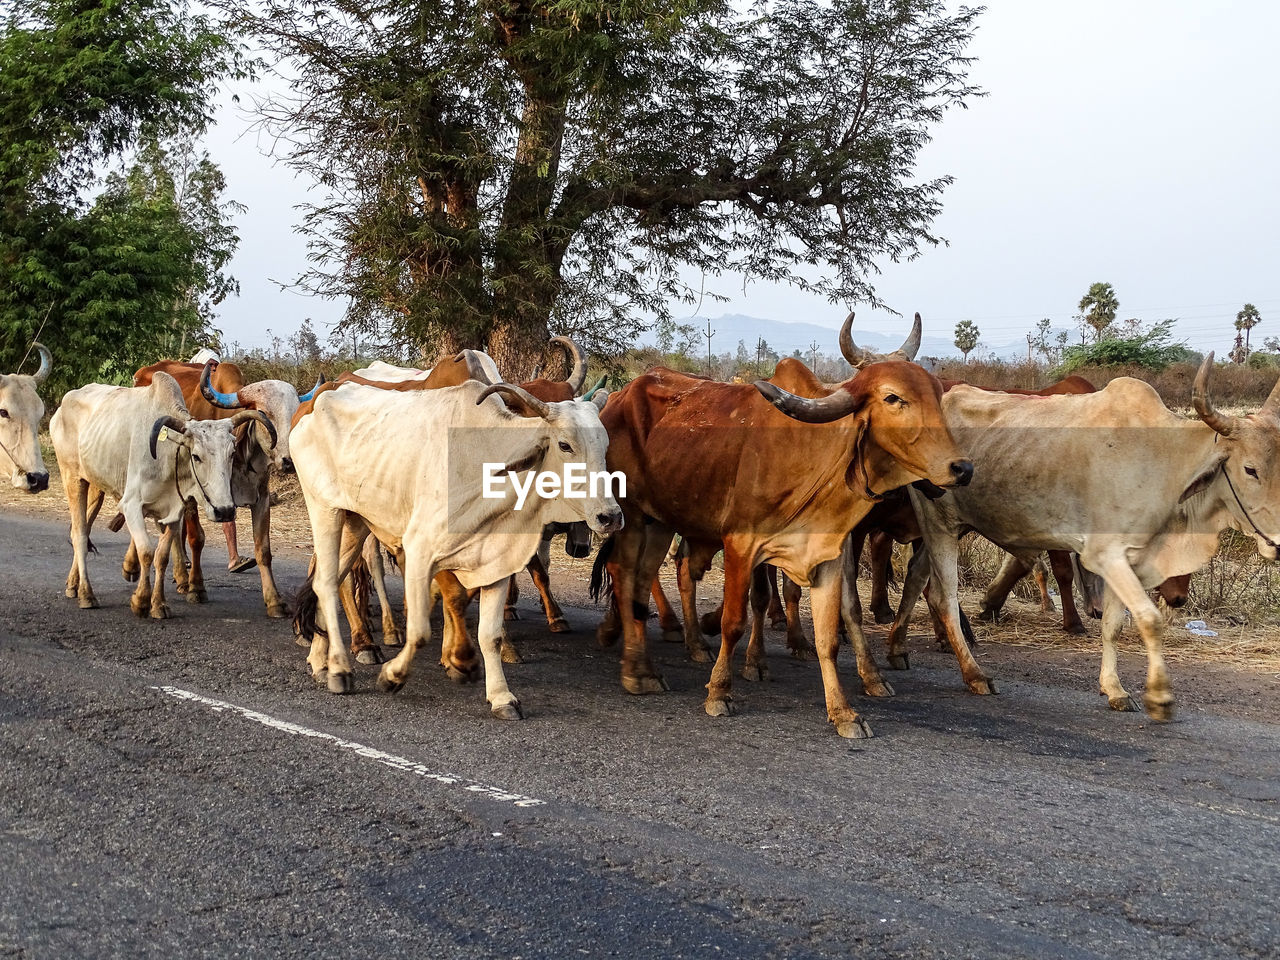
pixel 195 476
pixel 1231 486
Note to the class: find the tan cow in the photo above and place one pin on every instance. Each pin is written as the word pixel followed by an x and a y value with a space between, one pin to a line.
pixel 21 410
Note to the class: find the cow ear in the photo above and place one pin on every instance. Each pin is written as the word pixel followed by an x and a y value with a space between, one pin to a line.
pixel 1205 478
pixel 530 461
pixel 854 476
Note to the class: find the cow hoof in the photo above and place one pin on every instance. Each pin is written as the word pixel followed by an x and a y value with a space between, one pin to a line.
pixel 1123 704
pixel 673 636
pixel 1159 710
pixel 984 616
pixel 130 575
pixel 370 655
pixel 319 676
pixel 510 613
pixel 804 652
pixel 509 653
pixel 720 708
pixel 462 675
pixel 140 608
pixel 301 641
pixel 1076 629
pixel 277 611
pixel 161 612
pixel 559 625
pixel 88 603
pixel 388 685
pixel 180 588
pixel 755 672
pixel 643 685
pixel 606 638
pixel 198 596
pixel 701 655
pixel 899 661
pixel 341 682
pixel 393 639
pixel 983 686
pixel 777 623
pixel 884 616
pixel 508 711
pixel 877 688
pixel 855 729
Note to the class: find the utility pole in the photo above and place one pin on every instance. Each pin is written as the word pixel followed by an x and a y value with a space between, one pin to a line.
pixel 813 355
pixel 709 334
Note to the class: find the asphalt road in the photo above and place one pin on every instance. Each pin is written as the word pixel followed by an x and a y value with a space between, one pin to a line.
pixel 183 788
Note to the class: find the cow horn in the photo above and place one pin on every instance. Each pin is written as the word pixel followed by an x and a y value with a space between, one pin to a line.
pixel 172 423
pixel 475 369
pixel 839 404
pixel 1204 406
pixel 911 346
pixel 578 375
pixel 304 397
pixel 599 383
pixel 46 362
pixel 245 415
pixel 850 349
pixel 227 401
pixel 531 405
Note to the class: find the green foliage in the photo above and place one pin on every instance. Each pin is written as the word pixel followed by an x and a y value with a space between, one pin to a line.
pixel 1246 319
pixel 494 170
pixel 967 335
pixel 1099 307
pixel 110 271
pixel 1151 350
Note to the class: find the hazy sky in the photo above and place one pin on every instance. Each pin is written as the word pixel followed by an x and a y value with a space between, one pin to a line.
pixel 1133 143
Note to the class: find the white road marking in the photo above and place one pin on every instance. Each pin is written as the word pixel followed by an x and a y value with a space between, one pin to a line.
pixel 373 753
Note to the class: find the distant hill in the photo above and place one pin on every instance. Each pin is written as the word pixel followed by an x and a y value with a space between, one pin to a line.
pixel 786 337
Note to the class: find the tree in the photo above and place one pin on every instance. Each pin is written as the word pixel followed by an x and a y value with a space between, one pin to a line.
pixel 1246 320
pixel 100 269
pixel 1099 307
pixel 966 337
pixel 495 171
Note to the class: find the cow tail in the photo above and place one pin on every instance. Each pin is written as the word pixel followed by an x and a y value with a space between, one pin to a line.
pixel 361 586
pixel 601 582
pixel 305 607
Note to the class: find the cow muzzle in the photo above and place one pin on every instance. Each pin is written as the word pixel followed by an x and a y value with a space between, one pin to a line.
pixel 224 514
pixel 286 465
pixel 607 522
pixel 961 472
pixel 37 482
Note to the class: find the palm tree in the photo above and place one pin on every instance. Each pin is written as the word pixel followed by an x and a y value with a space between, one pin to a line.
pixel 1099 307
pixel 1246 320
pixel 966 337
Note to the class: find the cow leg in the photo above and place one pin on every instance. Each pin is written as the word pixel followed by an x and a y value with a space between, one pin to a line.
pixel 392 635
pixel 694 645
pixel 912 587
pixel 457 654
pixel 776 614
pixel 78 585
pixel 756 666
pixel 506 646
pixel 169 532
pixel 328 657
pixel 538 570
pixel 639 550
pixel 502 702
pixel 417 621
pixel 943 596
pixel 668 622
pixel 509 611
pixel 881 569
pixel 873 683
pixel 610 626
pixel 1011 571
pixel 801 647
pixel 1041 577
pixel 194 530
pixel 737 591
pixel 260 517
pixel 825 588
pixel 1124 590
pixel 853 549
pixel 353 594
pixel 1060 562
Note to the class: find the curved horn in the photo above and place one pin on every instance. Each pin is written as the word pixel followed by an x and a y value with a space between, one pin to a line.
pixel 475 369
pixel 911 346
pixel 839 404
pixel 227 401
pixel 531 405
pixel 1204 406
pixel 304 397
pixel 599 383
pixel 850 349
pixel 172 423
pixel 245 415
pixel 46 362
pixel 578 375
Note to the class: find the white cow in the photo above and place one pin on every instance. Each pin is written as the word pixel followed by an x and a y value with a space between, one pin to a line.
pixel 409 468
pixel 20 412
pixel 390 373
pixel 140 445
pixel 1138 492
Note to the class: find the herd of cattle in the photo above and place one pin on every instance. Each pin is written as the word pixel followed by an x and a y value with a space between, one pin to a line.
pixel 788 473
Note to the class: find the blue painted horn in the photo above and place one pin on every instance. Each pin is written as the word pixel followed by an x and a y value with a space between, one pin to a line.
pixel 228 401
pixel 599 383
pixel 304 397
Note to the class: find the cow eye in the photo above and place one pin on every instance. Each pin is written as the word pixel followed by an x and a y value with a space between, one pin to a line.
pixel 196 458
pixel 893 399
pixel 565 447
pixel 1251 472
pixel 4 414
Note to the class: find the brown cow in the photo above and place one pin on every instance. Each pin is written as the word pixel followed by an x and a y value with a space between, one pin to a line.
pixel 712 461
